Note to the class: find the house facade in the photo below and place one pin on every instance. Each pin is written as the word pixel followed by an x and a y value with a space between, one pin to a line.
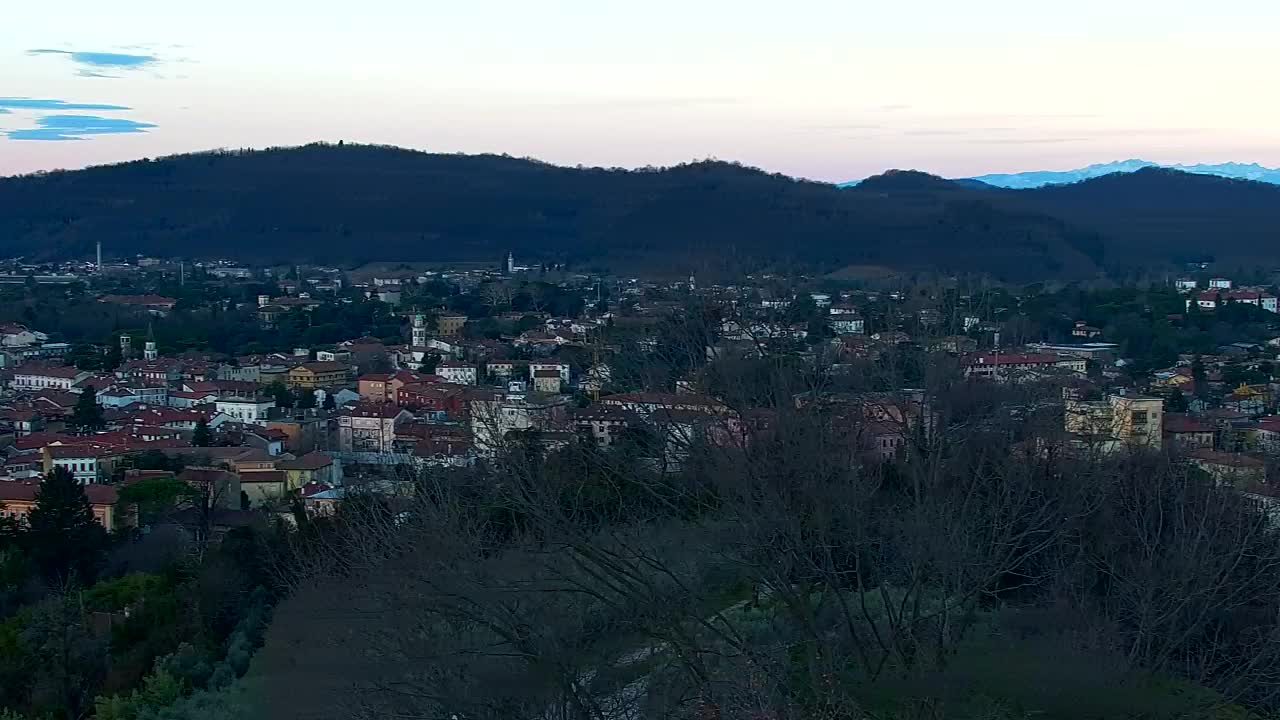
pixel 370 428
pixel 18 497
pixel 458 373
pixel 250 411
pixel 314 375
pixel 44 378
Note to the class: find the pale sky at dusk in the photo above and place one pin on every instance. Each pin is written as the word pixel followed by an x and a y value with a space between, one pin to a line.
pixel 831 90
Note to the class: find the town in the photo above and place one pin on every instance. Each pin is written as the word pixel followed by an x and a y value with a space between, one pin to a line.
pixel 345 377
pixel 198 403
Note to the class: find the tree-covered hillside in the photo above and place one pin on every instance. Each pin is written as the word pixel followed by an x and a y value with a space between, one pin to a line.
pixel 361 203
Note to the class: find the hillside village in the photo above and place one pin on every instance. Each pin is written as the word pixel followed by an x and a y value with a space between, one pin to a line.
pixel 207 417
pixel 483 361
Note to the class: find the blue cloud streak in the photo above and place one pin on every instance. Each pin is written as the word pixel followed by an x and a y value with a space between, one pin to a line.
pixel 77 127
pixel 16 103
pixel 101 59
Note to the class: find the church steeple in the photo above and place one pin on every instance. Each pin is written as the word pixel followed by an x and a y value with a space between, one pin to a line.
pixel 149 351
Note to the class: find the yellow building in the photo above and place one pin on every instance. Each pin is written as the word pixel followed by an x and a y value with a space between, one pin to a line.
pixel 312 467
pixel 313 375
pixel 17 498
pixel 450 325
pixel 1119 421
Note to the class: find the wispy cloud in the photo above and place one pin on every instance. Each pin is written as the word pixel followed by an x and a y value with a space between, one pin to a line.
pixel 18 103
pixel 77 127
pixel 1026 140
pixel 110 60
pixel 639 103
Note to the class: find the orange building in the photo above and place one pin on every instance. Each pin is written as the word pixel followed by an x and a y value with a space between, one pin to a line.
pixel 19 496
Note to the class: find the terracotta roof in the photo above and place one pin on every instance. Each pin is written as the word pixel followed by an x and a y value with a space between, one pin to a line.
pixel 1179 423
pixel 373 410
pixel 25 490
pixel 323 366
pixel 55 371
pixel 1226 459
pixel 311 461
pixel 262 476
pixel 1015 359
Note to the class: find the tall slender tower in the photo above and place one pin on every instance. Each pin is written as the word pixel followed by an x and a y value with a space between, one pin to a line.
pixel 511 263
pixel 149 351
pixel 419 330
pixel 126 346
pixel 99 266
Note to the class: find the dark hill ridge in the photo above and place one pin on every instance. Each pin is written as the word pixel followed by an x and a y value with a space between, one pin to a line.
pixel 348 204
pixel 1155 214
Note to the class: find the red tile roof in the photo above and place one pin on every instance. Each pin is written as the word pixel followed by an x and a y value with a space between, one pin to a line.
pixel 25 490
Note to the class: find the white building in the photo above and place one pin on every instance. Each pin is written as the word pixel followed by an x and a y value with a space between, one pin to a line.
pixel 458 373
pixel 562 369
pixel 251 412
pixel 846 320
pixel 57 378
pixel 419 332
pixel 84 463
pixel 1220 283
pixel 12 336
pixel 494 417
pixel 370 427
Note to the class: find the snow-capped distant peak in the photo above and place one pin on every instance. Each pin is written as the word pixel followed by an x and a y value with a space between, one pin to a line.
pixel 1040 178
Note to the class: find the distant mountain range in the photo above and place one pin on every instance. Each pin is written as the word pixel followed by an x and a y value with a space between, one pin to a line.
pixel 1041 178
pixel 357 204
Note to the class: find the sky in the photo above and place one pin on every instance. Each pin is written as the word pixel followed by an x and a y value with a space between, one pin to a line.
pixel 824 89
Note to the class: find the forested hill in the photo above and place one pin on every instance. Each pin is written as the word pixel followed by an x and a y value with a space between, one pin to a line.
pixel 360 203
pixel 1157 214
pixel 349 204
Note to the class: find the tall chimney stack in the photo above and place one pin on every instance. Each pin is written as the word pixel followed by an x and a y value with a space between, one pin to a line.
pixel 99 256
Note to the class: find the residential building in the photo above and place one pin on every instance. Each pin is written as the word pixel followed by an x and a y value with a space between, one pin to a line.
pixel 221 487
pixel 1267 435
pixel 1240 471
pixel 311 468
pixel 546 381
pixel 603 424
pixel 1220 283
pixel 1188 432
pixel 58 377
pixel 370 427
pixel 314 375
pixel 458 373
pixel 645 404
pixel 494 415
pixel 560 368
pixel 846 320
pixel 18 497
pixel 252 411
pixel 88 463
pixel 1100 352
pixel 450 325
pixel 265 488
pixel 1117 422
pixel 1085 330
pixel 18 336
pixel 448 399
pixel 1023 366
